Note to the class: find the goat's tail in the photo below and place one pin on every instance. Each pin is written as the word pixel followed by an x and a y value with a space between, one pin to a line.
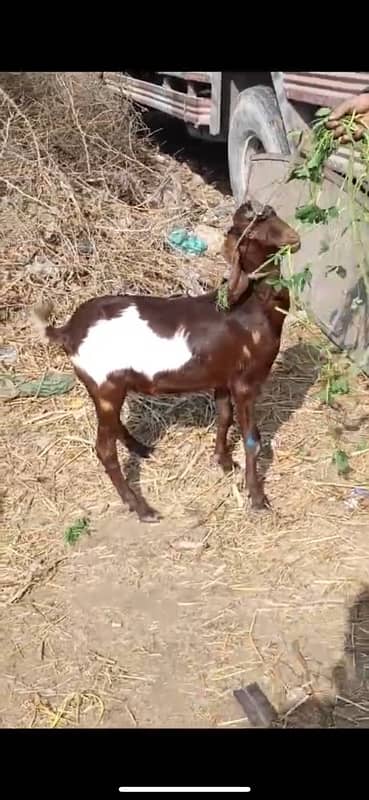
pixel 39 317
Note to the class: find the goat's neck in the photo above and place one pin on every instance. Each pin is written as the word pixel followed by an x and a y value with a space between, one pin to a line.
pixel 270 297
pixel 275 301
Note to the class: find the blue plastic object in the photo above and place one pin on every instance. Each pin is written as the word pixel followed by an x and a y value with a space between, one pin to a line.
pixel 187 242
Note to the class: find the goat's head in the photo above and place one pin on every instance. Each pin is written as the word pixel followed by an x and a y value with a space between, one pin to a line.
pixel 257 234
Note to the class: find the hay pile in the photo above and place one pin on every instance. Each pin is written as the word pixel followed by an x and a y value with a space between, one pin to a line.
pixel 85 193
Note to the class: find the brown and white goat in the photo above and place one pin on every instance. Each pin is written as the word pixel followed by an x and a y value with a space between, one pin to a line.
pixel 155 345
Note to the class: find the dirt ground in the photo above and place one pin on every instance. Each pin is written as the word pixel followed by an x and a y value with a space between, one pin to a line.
pixel 155 626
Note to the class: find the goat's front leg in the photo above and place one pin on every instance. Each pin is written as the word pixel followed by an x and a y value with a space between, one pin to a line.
pixel 106 448
pixel 245 403
pixel 224 414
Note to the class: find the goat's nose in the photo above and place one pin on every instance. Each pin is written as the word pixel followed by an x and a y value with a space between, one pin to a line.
pixel 294 242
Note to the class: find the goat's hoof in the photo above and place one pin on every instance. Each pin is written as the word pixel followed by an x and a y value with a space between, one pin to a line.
pixel 149 515
pixel 143 450
pixel 225 462
pixel 260 503
pixel 228 465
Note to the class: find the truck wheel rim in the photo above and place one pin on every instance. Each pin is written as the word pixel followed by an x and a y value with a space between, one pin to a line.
pixel 252 147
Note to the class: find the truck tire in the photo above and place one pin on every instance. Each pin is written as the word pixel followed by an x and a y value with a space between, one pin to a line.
pixel 256 126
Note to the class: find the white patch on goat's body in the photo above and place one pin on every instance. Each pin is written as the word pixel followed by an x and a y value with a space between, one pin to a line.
pixel 128 342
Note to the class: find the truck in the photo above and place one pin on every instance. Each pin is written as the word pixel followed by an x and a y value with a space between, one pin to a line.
pixel 258 115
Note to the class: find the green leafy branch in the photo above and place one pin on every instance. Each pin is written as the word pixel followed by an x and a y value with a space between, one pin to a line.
pixel 295 283
pixel 222 299
pixel 314 215
pixel 323 144
pixel 333 378
pixel 74 532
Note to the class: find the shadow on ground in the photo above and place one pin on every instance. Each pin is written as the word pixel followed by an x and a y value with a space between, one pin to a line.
pixel 291 379
pixel 206 158
pixel 349 707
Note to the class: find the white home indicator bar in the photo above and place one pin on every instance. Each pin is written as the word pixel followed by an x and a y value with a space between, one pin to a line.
pixel 185 789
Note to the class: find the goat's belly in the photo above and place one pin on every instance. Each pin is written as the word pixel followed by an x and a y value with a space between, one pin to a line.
pixel 190 379
pixel 193 377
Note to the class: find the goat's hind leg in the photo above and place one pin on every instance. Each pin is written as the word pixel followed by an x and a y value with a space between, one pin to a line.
pixel 224 420
pixel 109 430
pixel 111 402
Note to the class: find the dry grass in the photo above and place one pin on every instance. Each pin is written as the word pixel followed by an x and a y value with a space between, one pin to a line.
pixel 86 195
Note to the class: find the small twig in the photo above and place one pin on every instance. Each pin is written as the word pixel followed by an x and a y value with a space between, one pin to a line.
pixel 131 715
pixel 295 706
pixel 13 104
pixel 252 640
pixel 6 134
pixel 30 197
pixel 36 576
pixel 352 703
pixel 303 662
pixel 231 722
pixel 77 122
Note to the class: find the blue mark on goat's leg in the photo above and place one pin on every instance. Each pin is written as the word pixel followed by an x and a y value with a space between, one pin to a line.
pixel 251 443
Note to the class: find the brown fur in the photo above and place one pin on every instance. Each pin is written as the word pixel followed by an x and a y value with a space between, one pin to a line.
pixel 233 351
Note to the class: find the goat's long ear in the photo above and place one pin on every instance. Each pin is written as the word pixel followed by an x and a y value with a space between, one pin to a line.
pixel 238 280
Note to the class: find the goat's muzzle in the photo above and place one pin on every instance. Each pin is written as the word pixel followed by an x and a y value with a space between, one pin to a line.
pixel 294 243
